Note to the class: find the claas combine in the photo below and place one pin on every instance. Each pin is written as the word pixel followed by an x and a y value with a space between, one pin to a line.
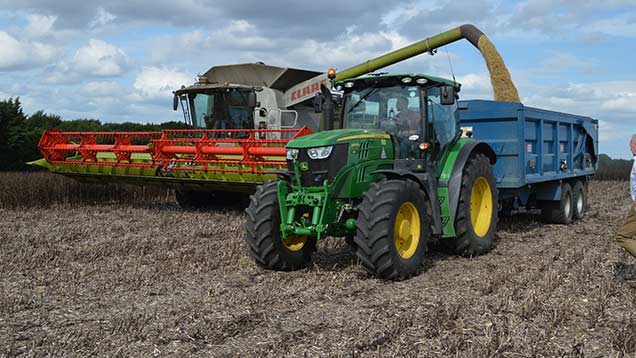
pixel 242 116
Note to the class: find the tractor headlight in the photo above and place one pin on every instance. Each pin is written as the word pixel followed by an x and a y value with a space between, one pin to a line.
pixel 319 152
pixel 292 153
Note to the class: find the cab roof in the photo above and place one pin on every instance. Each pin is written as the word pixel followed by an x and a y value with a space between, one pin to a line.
pixel 414 76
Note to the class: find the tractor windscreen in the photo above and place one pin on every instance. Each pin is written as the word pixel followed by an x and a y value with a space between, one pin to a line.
pixel 395 109
pixel 221 110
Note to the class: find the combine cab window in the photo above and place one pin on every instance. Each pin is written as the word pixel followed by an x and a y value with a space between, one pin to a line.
pixel 221 110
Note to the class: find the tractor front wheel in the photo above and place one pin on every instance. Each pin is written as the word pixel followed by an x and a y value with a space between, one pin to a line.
pixel 393 228
pixel 263 238
pixel 476 218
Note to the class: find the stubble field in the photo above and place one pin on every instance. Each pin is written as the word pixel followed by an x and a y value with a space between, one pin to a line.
pixel 141 277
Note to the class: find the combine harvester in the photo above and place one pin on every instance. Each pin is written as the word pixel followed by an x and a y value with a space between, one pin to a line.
pixel 242 115
pixel 400 172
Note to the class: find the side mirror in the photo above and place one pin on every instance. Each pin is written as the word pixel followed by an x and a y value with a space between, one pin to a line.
pixel 317 102
pixel 251 99
pixel 175 102
pixel 447 95
pixel 328 107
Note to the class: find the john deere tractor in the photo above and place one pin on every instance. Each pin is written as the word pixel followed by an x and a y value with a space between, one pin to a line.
pixel 394 175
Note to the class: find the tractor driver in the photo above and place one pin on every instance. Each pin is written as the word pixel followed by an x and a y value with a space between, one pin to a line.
pixel 407 123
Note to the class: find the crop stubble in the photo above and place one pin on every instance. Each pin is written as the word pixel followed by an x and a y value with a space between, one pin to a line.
pixel 151 279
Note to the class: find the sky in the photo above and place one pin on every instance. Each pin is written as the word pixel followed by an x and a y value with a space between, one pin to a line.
pixel 119 61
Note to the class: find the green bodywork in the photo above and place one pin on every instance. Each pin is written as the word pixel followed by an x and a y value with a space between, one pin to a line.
pixel 317 210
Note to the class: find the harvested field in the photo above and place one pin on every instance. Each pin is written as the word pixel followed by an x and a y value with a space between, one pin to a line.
pixel 150 279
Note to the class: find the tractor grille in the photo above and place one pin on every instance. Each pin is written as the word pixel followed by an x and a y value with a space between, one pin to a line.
pixel 321 169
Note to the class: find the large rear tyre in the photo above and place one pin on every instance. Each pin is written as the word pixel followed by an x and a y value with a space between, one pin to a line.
pixel 561 211
pixel 262 226
pixel 476 219
pixel 393 229
pixel 579 198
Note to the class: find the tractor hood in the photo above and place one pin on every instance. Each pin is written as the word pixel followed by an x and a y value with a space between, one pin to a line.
pixel 336 136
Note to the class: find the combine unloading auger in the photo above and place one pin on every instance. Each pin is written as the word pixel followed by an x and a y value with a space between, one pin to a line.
pixel 232 159
pixel 503 87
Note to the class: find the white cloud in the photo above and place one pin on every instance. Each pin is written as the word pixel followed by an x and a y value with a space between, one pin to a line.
pixel 154 83
pixel 347 49
pixel 562 61
pixel 239 36
pixel 24 54
pixel 100 58
pixel 103 17
pixel 102 89
pixel 475 86
pixel 609 100
pixel 39 26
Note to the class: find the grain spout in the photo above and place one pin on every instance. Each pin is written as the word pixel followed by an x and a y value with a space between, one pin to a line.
pixel 503 87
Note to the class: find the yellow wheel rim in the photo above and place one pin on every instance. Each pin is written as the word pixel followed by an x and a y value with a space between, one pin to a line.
pixel 481 206
pixel 295 243
pixel 406 232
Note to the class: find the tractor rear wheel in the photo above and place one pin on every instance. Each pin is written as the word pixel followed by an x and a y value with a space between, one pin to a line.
pixel 561 211
pixel 579 198
pixel 263 238
pixel 476 218
pixel 393 228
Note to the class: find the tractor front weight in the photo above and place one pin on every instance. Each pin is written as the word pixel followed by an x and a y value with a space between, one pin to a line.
pixel 303 209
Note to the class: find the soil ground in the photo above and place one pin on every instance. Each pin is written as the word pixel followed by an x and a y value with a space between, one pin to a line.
pixel 150 279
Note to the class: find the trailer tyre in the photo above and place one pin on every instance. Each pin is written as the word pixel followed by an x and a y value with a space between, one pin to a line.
pixel 476 219
pixel 561 211
pixel 579 198
pixel 393 229
pixel 265 244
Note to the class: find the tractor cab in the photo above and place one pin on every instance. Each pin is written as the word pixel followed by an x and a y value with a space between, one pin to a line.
pixel 420 112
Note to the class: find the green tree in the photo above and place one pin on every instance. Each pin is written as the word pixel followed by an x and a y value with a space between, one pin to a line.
pixel 12 141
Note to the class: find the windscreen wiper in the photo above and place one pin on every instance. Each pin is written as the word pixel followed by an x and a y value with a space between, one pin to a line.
pixel 363 98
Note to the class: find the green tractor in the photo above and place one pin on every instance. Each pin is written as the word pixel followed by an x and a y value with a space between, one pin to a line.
pixel 396 175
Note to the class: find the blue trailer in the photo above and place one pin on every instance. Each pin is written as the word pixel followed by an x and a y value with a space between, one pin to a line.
pixel 544 158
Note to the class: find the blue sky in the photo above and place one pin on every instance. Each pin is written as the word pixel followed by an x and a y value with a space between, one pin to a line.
pixel 119 60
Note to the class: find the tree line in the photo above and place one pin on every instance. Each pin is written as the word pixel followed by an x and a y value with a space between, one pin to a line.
pixel 20 134
pixel 613 169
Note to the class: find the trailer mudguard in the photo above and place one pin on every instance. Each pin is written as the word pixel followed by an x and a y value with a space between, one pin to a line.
pixel 427 183
pixel 454 182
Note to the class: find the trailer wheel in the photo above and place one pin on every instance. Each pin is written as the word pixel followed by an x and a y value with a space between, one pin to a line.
pixel 561 211
pixel 579 197
pixel 393 229
pixel 476 219
pixel 262 226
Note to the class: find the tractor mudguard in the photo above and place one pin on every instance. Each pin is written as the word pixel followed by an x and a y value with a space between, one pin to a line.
pixel 454 184
pixel 427 183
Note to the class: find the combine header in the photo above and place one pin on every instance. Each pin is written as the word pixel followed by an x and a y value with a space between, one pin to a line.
pixel 242 156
